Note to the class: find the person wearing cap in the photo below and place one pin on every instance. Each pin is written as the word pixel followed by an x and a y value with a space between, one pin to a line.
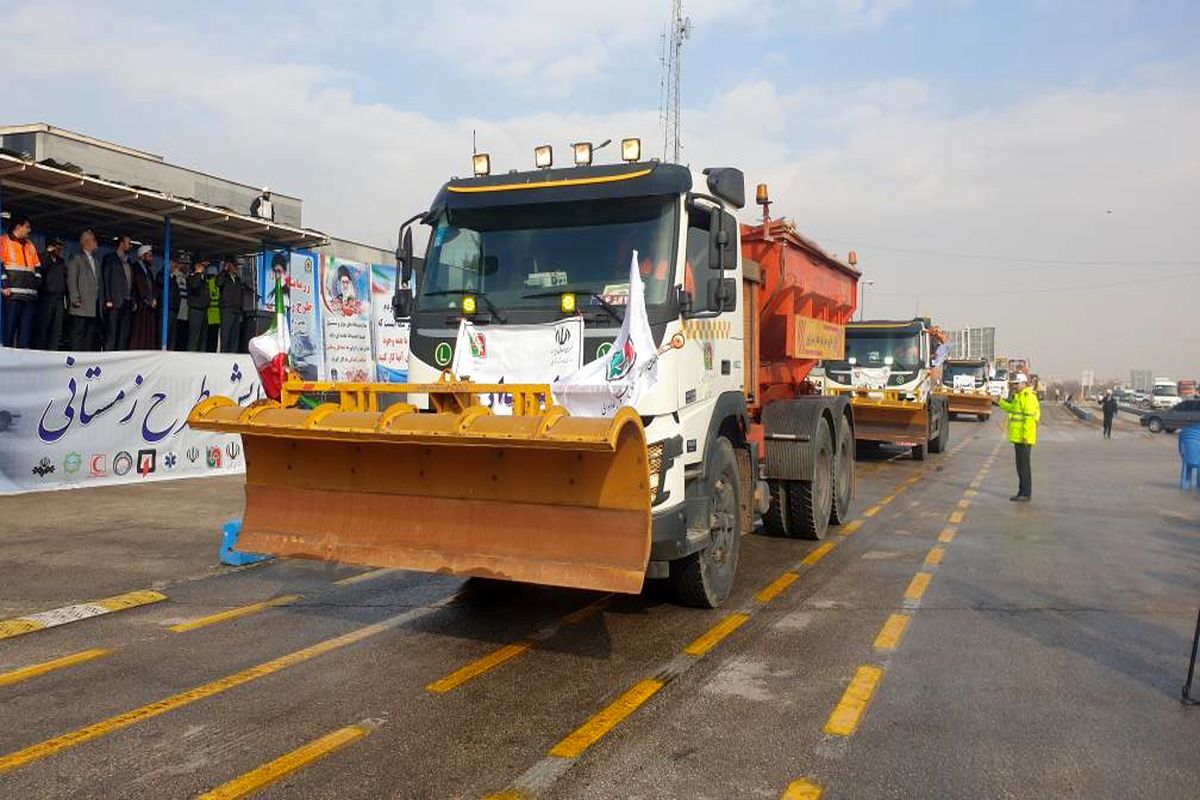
pixel 145 330
pixel 198 300
pixel 1024 413
pixel 52 298
pixel 20 276
pixel 232 289
pixel 262 207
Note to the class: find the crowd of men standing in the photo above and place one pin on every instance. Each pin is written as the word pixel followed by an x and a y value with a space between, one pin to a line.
pixel 88 302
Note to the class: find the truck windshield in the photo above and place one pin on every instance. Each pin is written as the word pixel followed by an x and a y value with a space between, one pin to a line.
pixel 975 371
pixel 1165 390
pixel 876 348
pixel 526 256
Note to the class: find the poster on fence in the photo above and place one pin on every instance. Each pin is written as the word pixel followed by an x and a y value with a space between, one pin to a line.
pixel 517 354
pixel 389 338
pixel 90 419
pixel 302 291
pixel 346 308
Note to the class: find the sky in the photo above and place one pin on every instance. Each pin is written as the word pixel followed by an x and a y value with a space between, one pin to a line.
pixel 1028 164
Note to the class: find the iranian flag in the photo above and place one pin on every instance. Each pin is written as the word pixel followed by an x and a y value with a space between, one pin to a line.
pixel 269 352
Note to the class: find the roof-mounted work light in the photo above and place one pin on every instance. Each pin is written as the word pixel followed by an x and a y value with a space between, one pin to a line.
pixel 482 164
pixel 583 154
pixel 631 149
pixel 543 156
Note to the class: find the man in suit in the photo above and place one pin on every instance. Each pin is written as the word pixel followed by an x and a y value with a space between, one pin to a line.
pixel 83 291
pixel 117 278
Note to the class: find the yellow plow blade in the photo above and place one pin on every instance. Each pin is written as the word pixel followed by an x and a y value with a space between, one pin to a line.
pixel 539 497
pixel 969 403
pixel 890 421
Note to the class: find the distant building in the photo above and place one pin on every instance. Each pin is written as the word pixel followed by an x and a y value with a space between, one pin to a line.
pixel 972 343
pixel 1141 380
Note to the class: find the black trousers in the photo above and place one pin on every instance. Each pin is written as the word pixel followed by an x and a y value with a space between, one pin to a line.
pixel 116 327
pixel 1108 418
pixel 1024 470
pixel 231 330
pixel 49 321
pixel 83 334
pixel 197 329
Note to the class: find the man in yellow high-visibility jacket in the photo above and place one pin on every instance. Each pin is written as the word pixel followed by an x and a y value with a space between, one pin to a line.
pixel 1024 413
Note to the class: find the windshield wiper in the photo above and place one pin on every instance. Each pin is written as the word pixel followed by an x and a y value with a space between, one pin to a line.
pixel 481 295
pixel 604 304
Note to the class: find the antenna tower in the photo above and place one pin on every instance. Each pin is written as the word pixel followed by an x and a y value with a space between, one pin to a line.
pixel 679 29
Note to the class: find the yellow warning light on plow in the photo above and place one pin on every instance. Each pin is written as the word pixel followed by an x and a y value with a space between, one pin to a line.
pixel 468 304
pixel 568 303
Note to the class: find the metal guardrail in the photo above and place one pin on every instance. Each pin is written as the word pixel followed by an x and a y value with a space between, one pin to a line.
pixel 1083 414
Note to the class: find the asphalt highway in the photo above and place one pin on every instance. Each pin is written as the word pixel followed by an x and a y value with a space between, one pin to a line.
pixel 945 643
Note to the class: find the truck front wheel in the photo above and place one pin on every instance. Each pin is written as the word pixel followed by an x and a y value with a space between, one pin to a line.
pixel 704 579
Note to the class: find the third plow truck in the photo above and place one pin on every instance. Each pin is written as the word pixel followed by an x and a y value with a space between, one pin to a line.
pixel 433 476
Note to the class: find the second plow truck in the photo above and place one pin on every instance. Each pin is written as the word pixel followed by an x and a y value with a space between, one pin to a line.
pixel 965 385
pixel 888 373
pixel 497 476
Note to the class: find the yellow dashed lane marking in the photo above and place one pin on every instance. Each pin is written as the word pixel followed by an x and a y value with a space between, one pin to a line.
pixel 956 517
pixel 969 493
pixel 272 771
pixel 947 534
pixel 34 670
pixel 594 729
pixel 872 511
pixel 819 553
pixel 885 500
pixel 917 586
pixel 49 747
pixel 964 504
pixel 588 611
pixel 772 590
pixel 478 667
pixel 802 789
pixel 891 632
pixel 235 613
pixel 850 709
pixel 935 556
pixel 851 527
pixel 67 614
pixel 713 636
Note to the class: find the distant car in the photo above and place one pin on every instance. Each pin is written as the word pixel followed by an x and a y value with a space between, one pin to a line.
pixel 1141 399
pixel 1182 415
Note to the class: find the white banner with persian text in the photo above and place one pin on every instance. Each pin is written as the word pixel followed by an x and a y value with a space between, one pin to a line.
pixel 517 354
pixel 90 419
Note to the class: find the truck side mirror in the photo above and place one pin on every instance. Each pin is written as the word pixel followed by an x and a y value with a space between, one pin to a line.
pixel 722 294
pixel 404 256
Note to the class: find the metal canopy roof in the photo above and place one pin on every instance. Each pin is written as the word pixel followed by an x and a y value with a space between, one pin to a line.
pixel 62 200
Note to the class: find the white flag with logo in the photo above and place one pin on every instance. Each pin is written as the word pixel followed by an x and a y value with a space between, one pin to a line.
pixel 517 354
pixel 624 374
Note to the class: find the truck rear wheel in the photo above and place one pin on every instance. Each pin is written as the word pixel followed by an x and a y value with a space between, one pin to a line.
pixel 704 579
pixel 775 521
pixel 843 474
pixel 810 503
pixel 941 442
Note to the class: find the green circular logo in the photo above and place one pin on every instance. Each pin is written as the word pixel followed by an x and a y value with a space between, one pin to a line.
pixel 442 354
pixel 603 349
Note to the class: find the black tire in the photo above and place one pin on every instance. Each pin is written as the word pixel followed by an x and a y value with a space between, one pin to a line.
pixel 810 503
pixel 705 578
pixel 775 521
pixel 1155 425
pixel 983 417
pixel 918 452
pixel 843 474
pixel 942 443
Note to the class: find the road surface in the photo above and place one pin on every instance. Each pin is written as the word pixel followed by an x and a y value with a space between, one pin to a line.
pixel 946 643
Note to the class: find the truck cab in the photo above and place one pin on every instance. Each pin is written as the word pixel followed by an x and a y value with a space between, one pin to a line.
pixel 888 372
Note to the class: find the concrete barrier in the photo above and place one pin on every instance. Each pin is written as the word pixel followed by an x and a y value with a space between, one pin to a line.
pixel 1083 414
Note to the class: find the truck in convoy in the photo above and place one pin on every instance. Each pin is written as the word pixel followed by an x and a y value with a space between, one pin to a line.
pixel 965 386
pixel 431 476
pixel 1164 393
pixel 887 371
